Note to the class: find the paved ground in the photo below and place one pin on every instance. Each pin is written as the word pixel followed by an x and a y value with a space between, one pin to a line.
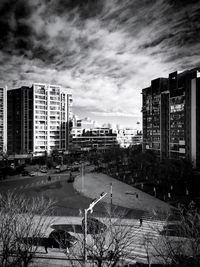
pixel 80 194
pixel 73 197
pixel 93 184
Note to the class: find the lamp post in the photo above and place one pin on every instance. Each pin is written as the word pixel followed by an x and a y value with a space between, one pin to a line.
pixel 91 206
pixel 111 200
pixel 82 177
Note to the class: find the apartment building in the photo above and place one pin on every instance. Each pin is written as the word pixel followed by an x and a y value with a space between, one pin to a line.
pixel 38 119
pixel 3 119
pixel 171 116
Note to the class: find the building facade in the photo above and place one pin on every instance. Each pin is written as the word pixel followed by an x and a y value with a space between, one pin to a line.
pixel 38 119
pixel 126 137
pixel 171 116
pixel 100 138
pixel 3 119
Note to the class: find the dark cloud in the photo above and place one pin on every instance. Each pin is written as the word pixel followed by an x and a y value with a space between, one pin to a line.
pixel 132 17
pixel 117 45
pixel 86 8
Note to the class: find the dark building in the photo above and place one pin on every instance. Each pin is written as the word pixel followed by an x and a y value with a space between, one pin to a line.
pixel 20 120
pixel 171 116
pixel 38 119
pixel 154 119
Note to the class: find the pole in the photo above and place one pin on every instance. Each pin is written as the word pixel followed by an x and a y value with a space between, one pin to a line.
pixel 111 199
pixel 82 176
pixel 85 237
pixel 91 206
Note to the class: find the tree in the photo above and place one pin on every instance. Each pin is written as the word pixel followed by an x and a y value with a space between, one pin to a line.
pixel 106 247
pixel 23 223
pixel 179 243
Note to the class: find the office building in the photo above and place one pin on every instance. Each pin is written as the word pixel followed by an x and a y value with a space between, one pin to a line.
pixel 85 136
pixel 38 119
pixel 3 119
pixel 126 137
pixel 171 116
pixel 96 138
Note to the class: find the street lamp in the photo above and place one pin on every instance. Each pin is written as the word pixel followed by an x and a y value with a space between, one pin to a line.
pixel 82 176
pixel 91 206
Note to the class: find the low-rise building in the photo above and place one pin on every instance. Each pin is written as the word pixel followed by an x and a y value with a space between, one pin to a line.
pixel 85 136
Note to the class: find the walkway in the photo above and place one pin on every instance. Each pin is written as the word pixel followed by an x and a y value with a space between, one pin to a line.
pixel 93 184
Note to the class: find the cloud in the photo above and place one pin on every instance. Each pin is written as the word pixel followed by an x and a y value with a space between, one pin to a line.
pixel 106 51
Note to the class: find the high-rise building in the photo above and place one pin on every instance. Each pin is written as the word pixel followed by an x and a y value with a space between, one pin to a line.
pixel 39 119
pixel 171 116
pixel 3 119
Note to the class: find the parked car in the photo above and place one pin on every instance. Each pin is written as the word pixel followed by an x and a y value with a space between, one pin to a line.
pixel 25 173
pixel 43 171
pixel 94 226
pixel 61 239
pixel 74 169
pixel 58 167
pixel 71 178
pixel 32 174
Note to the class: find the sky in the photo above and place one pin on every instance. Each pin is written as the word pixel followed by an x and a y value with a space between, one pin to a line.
pixel 106 51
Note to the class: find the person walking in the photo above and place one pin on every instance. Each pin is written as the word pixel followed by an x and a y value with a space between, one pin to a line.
pixel 141 221
pixel 46 245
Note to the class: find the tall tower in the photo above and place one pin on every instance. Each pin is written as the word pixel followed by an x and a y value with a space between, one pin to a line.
pixel 155 120
pixel 3 119
pixel 38 118
pixel 171 116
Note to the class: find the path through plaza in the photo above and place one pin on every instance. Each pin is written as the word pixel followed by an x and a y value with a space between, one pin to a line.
pixel 93 184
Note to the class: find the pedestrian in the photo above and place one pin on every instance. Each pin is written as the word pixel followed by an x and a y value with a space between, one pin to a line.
pixel 46 248
pixel 46 245
pixel 141 221
pixel 49 178
pixel 80 213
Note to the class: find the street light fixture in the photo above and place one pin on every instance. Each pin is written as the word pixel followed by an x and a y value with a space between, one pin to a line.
pixel 91 206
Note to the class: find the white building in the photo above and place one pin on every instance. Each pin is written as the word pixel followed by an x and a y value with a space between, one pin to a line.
pixel 85 123
pixel 125 137
pixel 52 110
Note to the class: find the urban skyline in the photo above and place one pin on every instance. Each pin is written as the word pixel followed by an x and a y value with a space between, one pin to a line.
pixel 105 51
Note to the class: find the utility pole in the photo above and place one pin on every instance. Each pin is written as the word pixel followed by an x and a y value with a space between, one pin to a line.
pixel 82 177
pixel 91 206
pixel 111 200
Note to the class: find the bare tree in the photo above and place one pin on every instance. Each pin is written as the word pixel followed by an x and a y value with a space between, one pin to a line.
pixel 179 242
pixel 106 246
pixel 23 222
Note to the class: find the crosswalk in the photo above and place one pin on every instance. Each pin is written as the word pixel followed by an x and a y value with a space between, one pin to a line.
pixel 141 250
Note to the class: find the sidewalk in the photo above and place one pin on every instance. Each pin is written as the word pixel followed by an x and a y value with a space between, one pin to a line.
pixel 54 257
pixel 93 184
